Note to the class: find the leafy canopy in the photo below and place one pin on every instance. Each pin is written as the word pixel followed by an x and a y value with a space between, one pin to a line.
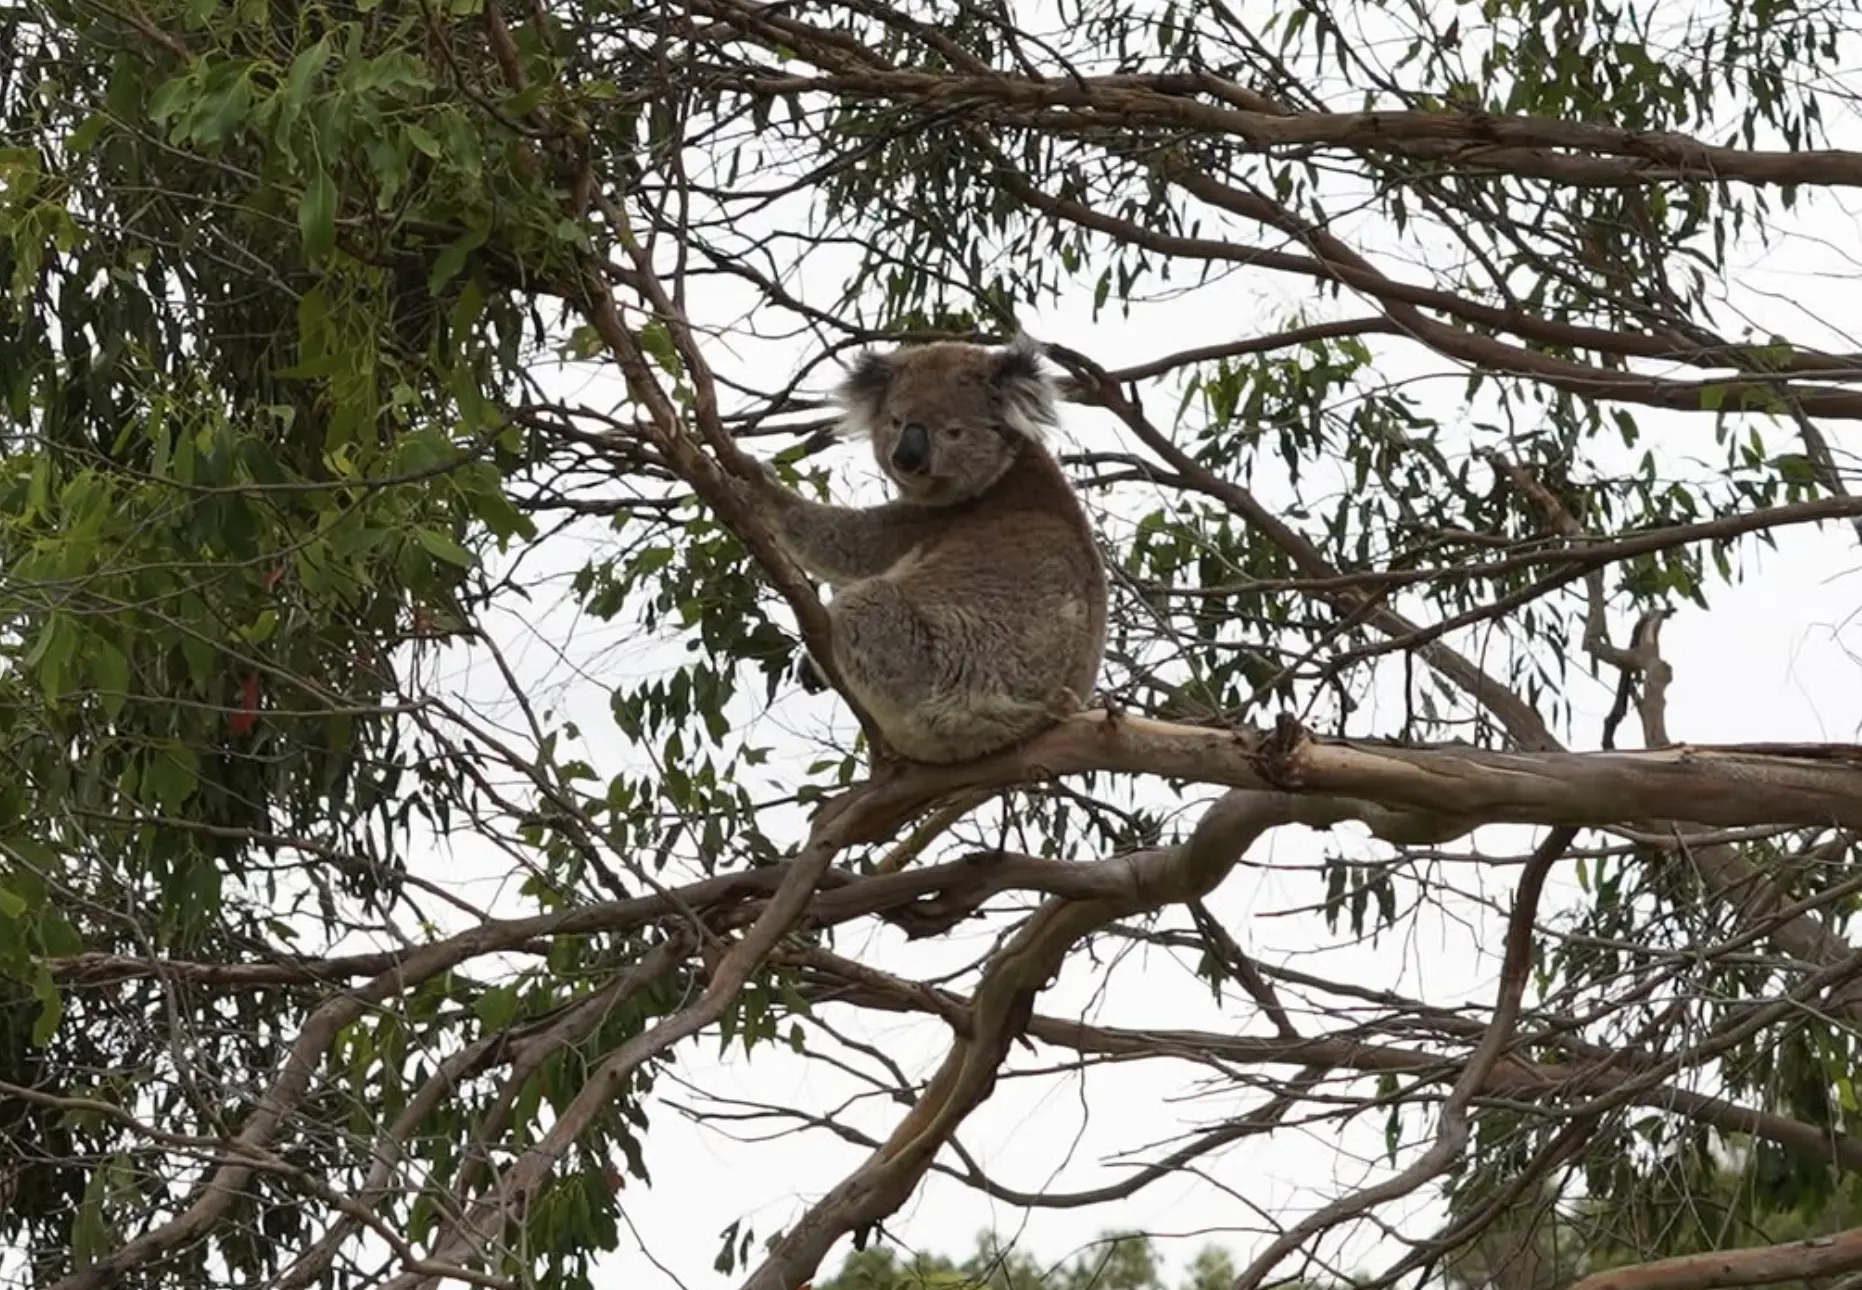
pixel 303 303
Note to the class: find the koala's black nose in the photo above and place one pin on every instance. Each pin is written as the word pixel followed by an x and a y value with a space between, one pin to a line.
pixel 912 453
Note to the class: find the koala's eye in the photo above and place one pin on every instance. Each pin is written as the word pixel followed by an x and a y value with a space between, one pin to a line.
pixel 953 432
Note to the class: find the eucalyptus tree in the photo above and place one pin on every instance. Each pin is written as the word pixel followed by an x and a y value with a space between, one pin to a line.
pixel 378 379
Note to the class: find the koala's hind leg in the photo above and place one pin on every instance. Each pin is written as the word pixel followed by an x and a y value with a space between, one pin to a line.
pixel 896 663
pixel 964 727
pixel 883 650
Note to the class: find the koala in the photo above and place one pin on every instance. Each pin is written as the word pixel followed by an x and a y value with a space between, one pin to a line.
pixel 970 612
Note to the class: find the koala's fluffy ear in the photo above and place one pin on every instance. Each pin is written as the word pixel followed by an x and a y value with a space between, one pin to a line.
pixel 863 393
pixel 1026 390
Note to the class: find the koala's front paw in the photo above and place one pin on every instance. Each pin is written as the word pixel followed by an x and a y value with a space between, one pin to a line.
pixel 809 673
pixel 758 484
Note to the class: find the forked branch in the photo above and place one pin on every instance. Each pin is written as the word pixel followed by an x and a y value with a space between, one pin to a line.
pixel 999 1014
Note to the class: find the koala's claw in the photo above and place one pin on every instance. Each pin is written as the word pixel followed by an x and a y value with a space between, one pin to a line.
pixel 1064 704
pixel 883 763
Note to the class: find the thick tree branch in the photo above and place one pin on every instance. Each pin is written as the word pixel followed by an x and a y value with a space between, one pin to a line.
pixel 1816 1256
pixel 1435 793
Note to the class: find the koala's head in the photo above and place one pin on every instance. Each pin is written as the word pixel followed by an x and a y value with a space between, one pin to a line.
pixel 947 419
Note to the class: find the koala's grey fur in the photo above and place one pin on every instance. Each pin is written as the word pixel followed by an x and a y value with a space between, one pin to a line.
pixel 970 613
